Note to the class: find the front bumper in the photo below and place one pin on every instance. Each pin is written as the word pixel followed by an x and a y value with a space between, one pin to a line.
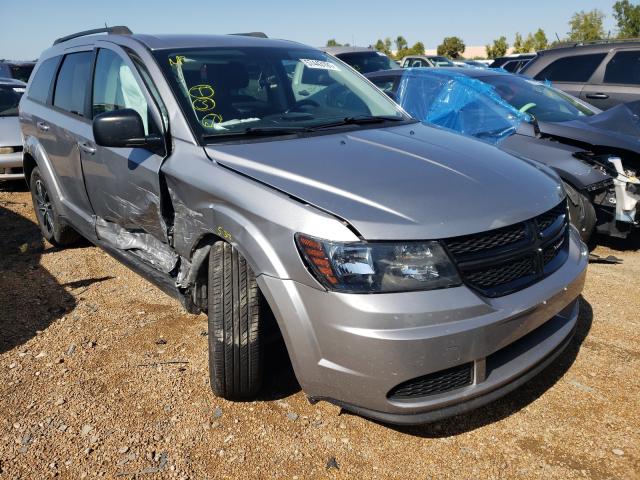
pixel 354 349
pixel 11 166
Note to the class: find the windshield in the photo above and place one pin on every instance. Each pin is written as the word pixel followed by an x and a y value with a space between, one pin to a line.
pixel 367 62
pixel 9 99
pixel 225 91
pixel 441 62
pixel 545 103
pixel 457 102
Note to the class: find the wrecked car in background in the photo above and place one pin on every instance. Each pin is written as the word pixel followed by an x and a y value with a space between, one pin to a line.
pixel 260 180
pixel 362 59
pixel 585 148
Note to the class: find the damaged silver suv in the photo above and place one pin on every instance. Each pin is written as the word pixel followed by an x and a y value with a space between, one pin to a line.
pixel 412 273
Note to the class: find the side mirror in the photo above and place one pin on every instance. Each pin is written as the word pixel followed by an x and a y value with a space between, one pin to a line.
pixel 124 129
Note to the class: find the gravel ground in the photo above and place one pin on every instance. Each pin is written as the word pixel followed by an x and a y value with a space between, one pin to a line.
pixel 102 375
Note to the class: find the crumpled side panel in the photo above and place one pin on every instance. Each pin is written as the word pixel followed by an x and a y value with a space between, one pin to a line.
pixel 142 244
pixel 457 102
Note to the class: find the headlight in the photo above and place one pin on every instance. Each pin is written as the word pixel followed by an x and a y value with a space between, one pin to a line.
pixel 374 267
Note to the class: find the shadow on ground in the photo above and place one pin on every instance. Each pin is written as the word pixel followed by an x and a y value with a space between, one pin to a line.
pixel 30 297
pixel 514 401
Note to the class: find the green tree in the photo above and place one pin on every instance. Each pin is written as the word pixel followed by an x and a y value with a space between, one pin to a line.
pixel 518 44
pixel 418 48
pixel 383 45
pixel 401 43
pixel 451 47
pixel 540 41
pixel 498 49
pixel 333 43
pixel 586 26
pixel 627 16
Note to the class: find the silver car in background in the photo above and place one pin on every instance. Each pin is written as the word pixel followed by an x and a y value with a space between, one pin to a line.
pixel 10 136
pixel 412 273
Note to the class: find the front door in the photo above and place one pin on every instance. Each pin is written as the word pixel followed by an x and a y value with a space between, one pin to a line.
pixel 123 183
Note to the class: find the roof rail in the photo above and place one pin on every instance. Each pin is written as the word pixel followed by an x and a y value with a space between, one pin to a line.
pixel 251 34
pixel 118 30
pixel 604 41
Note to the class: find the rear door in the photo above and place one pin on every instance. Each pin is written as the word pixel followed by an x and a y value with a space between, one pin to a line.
pixel 60 128
pixel 616 81
pixel 572 72
pixel 124 183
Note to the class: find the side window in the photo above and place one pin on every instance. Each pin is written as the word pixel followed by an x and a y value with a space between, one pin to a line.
pixel 115 87
pixel 73 82
pixel 624 68
pixel 578 68
pixel 383 83
pixel 43 79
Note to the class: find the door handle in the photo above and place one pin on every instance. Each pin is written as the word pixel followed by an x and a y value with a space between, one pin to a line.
pixel 601 96
pixel 42 126
pixel 85 147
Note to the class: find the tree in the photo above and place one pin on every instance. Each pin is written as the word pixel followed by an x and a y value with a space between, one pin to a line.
pixel 451 47
pixel 540 41
pixel 498 49
pixel 586 26
pixel 417 49
pixel 333 43
pixel 384 46
pixel 518 44
pixel 401 43
pixel 627 16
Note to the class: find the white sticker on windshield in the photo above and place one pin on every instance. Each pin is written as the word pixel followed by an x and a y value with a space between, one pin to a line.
pixel 19 90
pixel 319 64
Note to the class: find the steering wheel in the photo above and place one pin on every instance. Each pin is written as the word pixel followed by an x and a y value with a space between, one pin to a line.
pixel 528 106
pixel 302 103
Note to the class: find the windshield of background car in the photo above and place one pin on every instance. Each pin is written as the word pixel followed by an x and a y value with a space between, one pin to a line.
pixel 457 102
pixel 367 62
pixel 441 62
pixel 9 99
pixel 229 90
pixel 545 103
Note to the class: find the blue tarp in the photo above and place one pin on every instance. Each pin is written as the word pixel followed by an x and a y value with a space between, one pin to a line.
pixel 457 102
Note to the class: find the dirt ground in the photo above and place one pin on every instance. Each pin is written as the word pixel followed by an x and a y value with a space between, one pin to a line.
pixel 102 375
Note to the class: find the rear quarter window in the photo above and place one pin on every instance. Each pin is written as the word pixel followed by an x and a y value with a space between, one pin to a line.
pixel 577 68
pixel 43 80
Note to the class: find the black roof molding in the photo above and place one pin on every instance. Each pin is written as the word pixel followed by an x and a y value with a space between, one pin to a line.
pixel 251 34
pixel 604 41
pixel 116 30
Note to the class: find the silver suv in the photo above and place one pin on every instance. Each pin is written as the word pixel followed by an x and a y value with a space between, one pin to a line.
pixel 412 273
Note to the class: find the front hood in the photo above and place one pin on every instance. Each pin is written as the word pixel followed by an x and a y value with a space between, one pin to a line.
pixel 618 127
pixel 10 132
pixel 405 182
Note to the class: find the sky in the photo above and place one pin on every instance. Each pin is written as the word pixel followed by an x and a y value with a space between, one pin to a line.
pixel 30 26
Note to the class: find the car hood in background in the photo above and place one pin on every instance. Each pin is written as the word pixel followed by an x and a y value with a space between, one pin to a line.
pixel 10 135
pixel 404 182
pixel 618 127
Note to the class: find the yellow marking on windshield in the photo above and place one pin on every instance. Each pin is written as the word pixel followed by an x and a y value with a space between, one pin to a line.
pixel 202 101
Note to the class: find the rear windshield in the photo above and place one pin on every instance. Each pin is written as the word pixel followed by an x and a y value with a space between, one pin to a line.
pixel 367 62
pixel 9 100
pixel 542 101
pixel 20 72
pixel 441 61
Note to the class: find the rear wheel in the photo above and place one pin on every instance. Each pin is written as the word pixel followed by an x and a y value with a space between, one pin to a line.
pixel 55 231
pixel 581 212
pixel 236 311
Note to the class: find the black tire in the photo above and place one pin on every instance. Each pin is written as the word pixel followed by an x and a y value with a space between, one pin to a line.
pixel 236 310
pixel 55 231
pixel 581 212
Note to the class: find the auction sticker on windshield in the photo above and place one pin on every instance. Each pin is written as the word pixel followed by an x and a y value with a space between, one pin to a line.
pixel 319 64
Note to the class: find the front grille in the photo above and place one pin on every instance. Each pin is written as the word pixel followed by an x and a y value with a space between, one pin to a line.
pixel 505 260
pixel 434 383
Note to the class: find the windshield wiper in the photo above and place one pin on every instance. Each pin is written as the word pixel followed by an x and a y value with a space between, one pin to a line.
pixel 360 120
pixel 257 131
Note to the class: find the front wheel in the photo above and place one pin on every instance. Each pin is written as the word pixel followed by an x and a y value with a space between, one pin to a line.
pixel 236 311
pixel 581 212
